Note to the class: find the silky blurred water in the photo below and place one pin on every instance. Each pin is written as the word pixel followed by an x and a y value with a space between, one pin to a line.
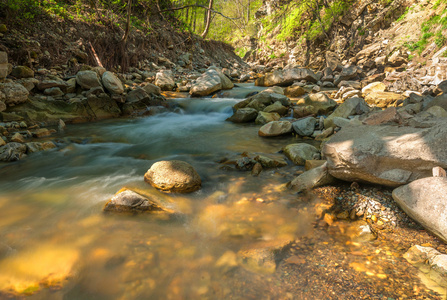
pixel 53 231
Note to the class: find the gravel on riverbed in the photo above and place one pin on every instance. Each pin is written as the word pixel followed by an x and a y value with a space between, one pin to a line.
pixel 328 265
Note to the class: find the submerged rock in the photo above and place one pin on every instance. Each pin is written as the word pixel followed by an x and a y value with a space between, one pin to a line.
pixel 129 201
pixel 360 231
pixel 36 146
pixel 37 267
pixel 430 261
pixel 263 257
pixel 173 176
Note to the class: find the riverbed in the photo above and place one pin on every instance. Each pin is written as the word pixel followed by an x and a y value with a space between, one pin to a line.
pixel 56 242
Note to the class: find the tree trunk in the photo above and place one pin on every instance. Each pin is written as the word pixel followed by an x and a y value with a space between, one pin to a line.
pixel 129 11
pixel 208 20
pixel 248 11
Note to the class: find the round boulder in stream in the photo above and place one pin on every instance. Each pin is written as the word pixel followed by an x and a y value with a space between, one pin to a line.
pixel 173 176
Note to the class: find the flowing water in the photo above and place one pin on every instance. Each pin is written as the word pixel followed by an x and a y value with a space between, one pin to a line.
pixel 56 243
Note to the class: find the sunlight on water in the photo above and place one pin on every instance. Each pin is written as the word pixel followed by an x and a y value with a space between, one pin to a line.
pixel 54 234
pixel 56 242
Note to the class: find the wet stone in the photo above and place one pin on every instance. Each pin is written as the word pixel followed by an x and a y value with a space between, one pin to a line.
pixel 263 257
pixel 173 176
pixel 129 201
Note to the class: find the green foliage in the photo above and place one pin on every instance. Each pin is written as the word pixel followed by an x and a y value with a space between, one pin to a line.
pixel 361 31
pixel 299 18
pixel 427 35
pixel 439 2
pixel 432 31
pixel 241 51
pixel 292 19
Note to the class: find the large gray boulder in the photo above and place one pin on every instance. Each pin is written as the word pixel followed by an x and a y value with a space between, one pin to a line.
pixel 425 201
pixel 387 155
pixel 208 83
pixel 225 81
pixel 173 176
pixel 112 83
pixel 287 77
pixel 88 79
pixel 13 93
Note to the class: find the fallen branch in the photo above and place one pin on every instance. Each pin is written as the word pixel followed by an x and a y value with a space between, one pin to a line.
pixel 98 62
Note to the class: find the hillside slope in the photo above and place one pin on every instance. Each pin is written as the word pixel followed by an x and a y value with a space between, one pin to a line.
pixel 44 34
pixel 293 33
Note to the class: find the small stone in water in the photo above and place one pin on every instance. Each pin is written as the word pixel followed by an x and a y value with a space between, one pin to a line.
pixel 343 215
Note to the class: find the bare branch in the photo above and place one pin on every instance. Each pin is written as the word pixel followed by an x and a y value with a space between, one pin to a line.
pixel 198 5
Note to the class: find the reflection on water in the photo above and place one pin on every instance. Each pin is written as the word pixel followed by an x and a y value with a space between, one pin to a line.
pixel 53 232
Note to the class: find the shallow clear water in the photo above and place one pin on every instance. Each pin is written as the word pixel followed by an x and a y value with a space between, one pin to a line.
pixel 53 231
